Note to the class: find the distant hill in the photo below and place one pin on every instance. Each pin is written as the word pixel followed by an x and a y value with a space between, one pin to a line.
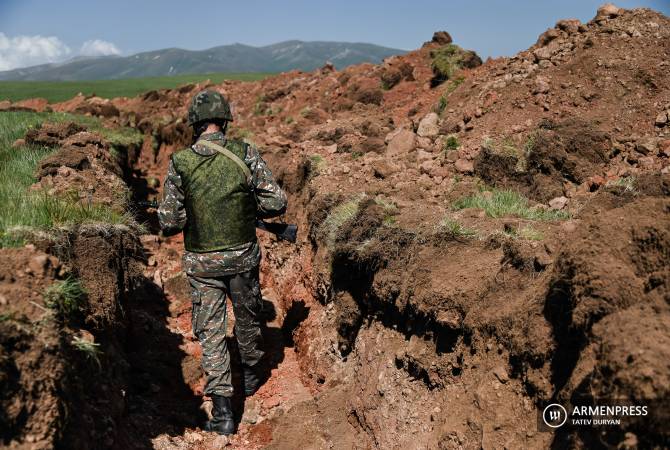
pixel 238 58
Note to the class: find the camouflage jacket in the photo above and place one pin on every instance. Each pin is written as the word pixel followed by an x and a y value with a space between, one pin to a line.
pixel 270 198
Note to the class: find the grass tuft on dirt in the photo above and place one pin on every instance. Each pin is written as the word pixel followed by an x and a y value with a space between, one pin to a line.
pixel 22 209
pixel 338 216
pixel 90 349
pixel 500 203
pixel 317 164
pixel 448 60
pixel 66 297
pixel 454 230
pixel 627 184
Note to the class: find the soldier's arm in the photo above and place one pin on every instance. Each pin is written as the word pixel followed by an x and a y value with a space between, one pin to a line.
pixel 171 212
pixel 269 195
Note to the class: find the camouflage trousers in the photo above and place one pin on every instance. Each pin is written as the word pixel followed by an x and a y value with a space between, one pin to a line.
pixel 209 296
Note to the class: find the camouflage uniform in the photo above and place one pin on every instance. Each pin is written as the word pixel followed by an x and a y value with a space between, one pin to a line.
pixel 233 271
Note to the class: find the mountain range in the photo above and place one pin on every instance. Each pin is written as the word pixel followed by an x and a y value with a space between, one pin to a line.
pixel 240 58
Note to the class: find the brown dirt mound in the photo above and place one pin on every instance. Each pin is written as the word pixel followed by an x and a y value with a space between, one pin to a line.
pixel 51 134
pixel 608 305
pixel 557 154
pixel 82 167
pixel 49 400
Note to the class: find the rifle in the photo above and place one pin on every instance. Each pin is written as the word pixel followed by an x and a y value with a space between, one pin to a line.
pixel 284 231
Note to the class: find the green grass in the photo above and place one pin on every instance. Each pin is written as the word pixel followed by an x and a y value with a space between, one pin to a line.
pixel 261 108
pixel 508 148
pixel 531 234
pixel 628 184
pixel 455 230
pixel 58 91
pixel 23 211
pixel 446 62
pixel 316 165
pixel 390 211
pixel 500 203
pixel 90 349
pixel 527 232
pixel 337 217
pixel 305 111
pixel 451 143
pixel 451 87
pixel 66 297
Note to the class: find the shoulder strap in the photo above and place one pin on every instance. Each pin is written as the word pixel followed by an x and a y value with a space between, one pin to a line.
pixel 228 154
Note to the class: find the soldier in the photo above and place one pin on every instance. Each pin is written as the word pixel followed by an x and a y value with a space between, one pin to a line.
pixel 214 191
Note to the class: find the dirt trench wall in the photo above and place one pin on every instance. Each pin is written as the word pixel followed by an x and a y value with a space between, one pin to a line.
pixel 65 372
pixel 55 394
pixel 456 344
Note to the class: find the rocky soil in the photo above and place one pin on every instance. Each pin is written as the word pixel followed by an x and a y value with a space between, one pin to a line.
pixel 386 328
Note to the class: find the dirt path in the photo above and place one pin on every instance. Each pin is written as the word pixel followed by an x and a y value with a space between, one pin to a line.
pixel 282 390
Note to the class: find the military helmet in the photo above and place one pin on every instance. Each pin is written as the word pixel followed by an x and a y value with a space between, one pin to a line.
pixel 207 105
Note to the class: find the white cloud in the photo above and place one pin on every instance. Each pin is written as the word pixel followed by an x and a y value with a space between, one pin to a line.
pixel 98 47
pixel 22 51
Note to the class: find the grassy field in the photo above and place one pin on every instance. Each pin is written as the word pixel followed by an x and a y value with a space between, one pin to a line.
pixel 23 211
pixel 58 91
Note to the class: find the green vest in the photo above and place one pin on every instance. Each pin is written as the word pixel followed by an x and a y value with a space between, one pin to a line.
pixel 220 206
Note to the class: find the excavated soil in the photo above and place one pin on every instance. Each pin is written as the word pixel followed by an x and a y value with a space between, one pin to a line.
pixel 386 328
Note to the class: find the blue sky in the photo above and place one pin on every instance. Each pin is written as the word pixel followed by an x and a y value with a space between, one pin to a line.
pixel 491 27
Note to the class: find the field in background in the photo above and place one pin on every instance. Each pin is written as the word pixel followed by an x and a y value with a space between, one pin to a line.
pixel 58 91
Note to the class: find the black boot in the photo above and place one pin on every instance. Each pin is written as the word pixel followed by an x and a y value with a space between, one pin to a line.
pixel 251 378
pixel 222 416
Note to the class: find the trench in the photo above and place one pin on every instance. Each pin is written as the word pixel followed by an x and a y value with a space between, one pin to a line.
pixel 165 403
pixel 329 337
pixel 356 357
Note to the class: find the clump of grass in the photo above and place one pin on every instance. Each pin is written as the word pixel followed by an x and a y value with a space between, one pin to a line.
pixel 500 203
pixel 66 297
pixel 289 120
pixel 390 211
pixel 529 145
pixel 448 60
pixel 90 349
pixel 454 230
pixel 338 216
pixel 261 108
pixel 627 184
pixel 527 232
pixel 531 234
pixel 451 143
pixel 43 212
pixel 505 146
pixel 122 138
pixel 305 111
pixel 443 102
pixel 356 154
pixel 316 165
